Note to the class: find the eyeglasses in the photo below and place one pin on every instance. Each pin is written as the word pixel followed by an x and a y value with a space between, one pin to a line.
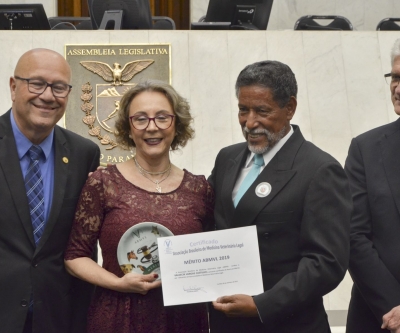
pixel 392 79
pixel 37 86
pixel 162 121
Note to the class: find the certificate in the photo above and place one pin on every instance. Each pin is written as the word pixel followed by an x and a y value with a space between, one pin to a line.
pixel 204 266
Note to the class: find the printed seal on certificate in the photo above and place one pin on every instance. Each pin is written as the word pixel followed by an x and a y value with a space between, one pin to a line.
pixel 138 250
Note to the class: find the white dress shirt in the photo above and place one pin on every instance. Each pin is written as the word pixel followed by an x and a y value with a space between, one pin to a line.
pixel 268 156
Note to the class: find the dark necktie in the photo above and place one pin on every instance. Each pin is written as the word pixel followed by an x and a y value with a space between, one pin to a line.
pixel 250 178
pixel 34 192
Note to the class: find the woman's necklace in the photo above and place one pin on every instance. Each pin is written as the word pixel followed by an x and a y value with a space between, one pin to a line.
pixel 144 173
pixel 149 172
pixel 157 182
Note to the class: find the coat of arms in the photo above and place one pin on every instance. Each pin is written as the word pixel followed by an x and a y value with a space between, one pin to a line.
pixel 104 74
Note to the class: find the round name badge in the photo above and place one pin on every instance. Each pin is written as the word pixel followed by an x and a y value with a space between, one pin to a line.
pixel 263 189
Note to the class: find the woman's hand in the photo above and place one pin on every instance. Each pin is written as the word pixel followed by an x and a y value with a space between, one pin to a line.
pixel 86 269
pixel 138 283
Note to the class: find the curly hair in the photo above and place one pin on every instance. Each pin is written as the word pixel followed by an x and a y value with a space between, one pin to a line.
pixel 180 106
pixel 270 74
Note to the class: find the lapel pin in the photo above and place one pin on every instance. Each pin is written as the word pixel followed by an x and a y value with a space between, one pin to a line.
pixel 263 189
pixel 65 160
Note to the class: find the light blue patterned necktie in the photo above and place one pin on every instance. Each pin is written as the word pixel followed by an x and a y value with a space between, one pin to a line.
pixel 250 178
pixel 35 193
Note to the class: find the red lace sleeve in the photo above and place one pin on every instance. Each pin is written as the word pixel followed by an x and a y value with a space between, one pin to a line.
pixel 209 224
pixel 88 218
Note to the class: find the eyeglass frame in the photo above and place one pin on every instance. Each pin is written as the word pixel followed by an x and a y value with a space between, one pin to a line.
pixel 391 78
pixel 47 85
pixel 152 119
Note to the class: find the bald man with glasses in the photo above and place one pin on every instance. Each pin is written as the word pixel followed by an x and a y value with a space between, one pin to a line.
pixel 42 170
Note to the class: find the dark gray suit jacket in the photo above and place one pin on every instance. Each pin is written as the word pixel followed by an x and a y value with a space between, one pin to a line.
pixel 60 300
pixel 303 233
pixel 373 169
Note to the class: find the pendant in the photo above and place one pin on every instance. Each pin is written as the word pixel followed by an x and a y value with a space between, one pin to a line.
pixel 158 188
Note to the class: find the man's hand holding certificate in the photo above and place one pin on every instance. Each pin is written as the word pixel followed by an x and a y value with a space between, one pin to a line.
pixel 204 266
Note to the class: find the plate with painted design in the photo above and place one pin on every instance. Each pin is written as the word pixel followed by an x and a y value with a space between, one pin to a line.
pixel 138 250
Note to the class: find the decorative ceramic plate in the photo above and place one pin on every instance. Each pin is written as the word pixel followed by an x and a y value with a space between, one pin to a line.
pixel 138 250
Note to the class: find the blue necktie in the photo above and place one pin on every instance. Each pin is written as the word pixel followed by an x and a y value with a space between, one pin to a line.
pixel 34 192
pixel 250 178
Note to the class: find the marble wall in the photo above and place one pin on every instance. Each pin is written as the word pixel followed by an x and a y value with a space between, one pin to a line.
pixel 364 15
pixel 342 92
pixel 50 6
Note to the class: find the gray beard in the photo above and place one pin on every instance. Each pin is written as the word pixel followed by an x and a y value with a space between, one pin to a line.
pixel 272 139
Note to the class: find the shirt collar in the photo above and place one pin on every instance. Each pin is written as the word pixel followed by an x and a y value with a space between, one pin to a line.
pixel 270 153
pixel 23 143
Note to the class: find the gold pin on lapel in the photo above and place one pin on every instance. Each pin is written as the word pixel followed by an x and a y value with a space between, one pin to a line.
pixel 65 160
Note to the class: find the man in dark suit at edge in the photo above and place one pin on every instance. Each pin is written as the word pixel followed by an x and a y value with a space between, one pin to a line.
pixel 372 167
pixel 42 170
pixel 300 203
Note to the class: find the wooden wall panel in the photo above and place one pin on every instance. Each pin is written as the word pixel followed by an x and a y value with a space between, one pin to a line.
pixel 178 10
pixel 84 8
pixel 78 7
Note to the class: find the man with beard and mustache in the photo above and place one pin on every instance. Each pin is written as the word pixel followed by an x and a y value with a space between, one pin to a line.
pixel 300 202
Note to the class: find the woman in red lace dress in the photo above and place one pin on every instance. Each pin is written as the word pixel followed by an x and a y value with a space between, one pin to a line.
pixel 154 120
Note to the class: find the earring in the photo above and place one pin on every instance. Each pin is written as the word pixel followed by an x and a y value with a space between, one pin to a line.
pixel 130 136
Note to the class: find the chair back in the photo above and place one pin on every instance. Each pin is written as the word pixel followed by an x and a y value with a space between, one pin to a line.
pixel 309 22
pixel 163 23
pixel 390 23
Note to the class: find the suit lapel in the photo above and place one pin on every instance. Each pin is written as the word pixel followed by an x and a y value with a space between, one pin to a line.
pixel 390 144
pixel 277 173
pixel 9 163
pixel 60 183
pixel 232 172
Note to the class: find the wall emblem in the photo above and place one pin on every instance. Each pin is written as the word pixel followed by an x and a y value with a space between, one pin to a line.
pixel 101 74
